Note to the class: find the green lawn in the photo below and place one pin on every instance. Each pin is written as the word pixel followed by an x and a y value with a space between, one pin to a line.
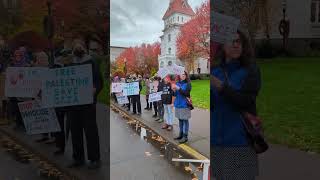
pixel 200 93
pixel 289 102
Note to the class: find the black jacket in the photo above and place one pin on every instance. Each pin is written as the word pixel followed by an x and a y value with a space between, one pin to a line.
pixel 167 94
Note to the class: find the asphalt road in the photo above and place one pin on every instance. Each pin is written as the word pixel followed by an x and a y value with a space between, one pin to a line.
pixel 134 159
pixel 13 170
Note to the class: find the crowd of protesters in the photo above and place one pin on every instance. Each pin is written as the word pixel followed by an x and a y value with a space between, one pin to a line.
pixel 75 119
pixel 174 98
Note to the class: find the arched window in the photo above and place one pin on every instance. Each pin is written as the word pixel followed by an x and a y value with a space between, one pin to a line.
pixel 161 64
pixel 169 50
pixel 169 37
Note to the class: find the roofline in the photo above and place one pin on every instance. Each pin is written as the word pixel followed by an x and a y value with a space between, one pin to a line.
pixel 119 47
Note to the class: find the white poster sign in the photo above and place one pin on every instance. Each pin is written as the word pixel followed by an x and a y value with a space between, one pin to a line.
pixel 224 28
pixel 131 89
pixel 163 72
pixel 155 96
pixel 68 86
pixel 122 99
pixel 117 87
pixel 23 81
pixel 37 119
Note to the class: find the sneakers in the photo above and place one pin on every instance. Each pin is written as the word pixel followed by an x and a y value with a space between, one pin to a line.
pixel 169 128
pixel 58 152
pixel 154 116
pixel 165 126
pixel 76 164
pixel 183 140
pixel 94 165
pixel 160 120
pixel 179 137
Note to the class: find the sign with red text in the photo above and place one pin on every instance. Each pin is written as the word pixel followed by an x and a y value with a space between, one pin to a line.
pixel 23 81
pixel 224 28
pixel 37 119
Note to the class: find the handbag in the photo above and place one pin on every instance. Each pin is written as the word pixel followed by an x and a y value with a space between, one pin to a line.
pixel 253 127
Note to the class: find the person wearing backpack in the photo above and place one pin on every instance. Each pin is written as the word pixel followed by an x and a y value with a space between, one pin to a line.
pixel 235 84
pixel 182 91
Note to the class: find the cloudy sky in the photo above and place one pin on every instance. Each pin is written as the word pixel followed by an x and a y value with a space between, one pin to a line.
pixel 134 22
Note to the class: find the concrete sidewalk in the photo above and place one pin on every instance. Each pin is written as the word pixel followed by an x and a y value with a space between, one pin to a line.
pixel 199 134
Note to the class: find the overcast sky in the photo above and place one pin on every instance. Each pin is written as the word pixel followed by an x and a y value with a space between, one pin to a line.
pixel 134 22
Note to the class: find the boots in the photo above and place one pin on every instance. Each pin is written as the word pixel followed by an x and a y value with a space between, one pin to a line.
pixel 179 137
pixel 184 139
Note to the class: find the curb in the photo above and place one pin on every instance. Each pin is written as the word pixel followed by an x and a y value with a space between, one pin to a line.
pixel 184 148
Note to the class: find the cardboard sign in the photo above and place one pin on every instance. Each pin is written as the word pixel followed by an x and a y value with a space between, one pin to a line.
pixel 178 69
pixel 68 86
pixel 37 119
pixel 117 87
pixel 122 99
pixel 224 28
pixel 155 96
pixel 23 81
pixel 163 72
pixel 130 89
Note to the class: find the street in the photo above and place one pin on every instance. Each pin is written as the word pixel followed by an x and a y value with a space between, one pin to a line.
pixel 13 170
pixel 134 159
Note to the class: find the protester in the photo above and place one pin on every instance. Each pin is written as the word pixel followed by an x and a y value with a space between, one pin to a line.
pixel 235 84
pixel 83 117
pixel 154 89
pixel 147 84
pixel 19 60
pixel 159 103
pixel 136 108
pixel 167 100
pixel 41 60
pixel 182 90
pixel 128 80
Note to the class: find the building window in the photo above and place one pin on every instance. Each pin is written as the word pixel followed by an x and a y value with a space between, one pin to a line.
pixel 178 18
pixel 161 64
pixel 315 12
pixel 169 37
pixel 169 50
pixel 182 19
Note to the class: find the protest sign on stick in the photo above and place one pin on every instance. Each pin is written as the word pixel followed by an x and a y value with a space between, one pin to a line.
pixel 224 28
pixel 37 119
pixel 163 72
pixel 23 81
pixel 68 86
pixel 130 89
pixel 117 87
pixel 155 96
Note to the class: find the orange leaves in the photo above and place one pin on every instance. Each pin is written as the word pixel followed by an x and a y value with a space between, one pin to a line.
pixel 194 37
pixel 140 59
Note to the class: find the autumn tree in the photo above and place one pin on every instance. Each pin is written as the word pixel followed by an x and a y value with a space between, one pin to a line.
pixel 141 59
pixel 194 37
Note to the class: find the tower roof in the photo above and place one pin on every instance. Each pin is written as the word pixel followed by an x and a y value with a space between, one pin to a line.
pixel 178 6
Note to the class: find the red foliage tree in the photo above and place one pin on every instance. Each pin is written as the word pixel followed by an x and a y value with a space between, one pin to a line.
pixel 141 59
pixel 194 37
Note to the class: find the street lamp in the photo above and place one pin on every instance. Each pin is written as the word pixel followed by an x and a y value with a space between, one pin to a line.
pixel 125 67
pixel 284 26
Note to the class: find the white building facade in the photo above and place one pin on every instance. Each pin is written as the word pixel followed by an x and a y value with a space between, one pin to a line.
pixel 178 13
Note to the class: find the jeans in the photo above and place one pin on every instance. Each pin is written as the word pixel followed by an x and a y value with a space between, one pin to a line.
pixel 184 126
pixel 168 114
pixel 160 109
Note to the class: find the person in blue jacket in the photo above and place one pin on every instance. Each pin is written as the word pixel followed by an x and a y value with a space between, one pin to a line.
pixel 235 83
pixel 182 90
